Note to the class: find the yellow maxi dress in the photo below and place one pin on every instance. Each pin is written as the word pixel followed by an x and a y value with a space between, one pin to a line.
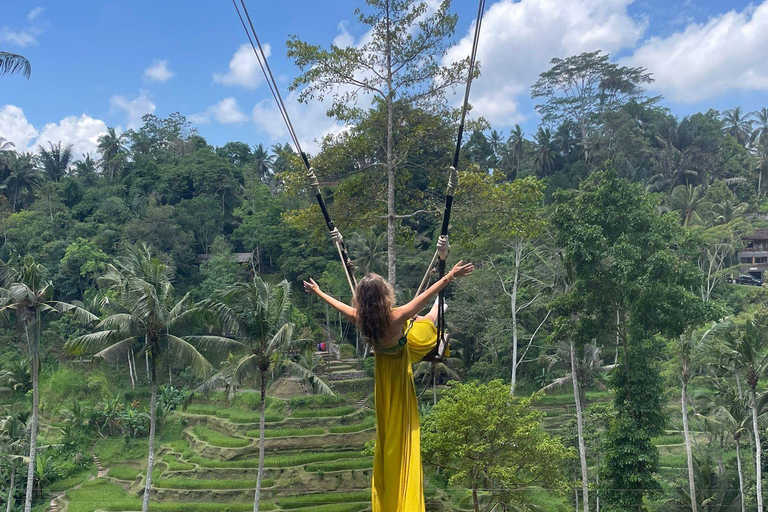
pixel 397 473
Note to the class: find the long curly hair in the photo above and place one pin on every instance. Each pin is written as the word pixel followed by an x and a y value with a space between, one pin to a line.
pixel 374 300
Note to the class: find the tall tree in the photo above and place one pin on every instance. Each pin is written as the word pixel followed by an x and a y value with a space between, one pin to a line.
pixel 400 63
pixel 14 63
pixel 113 149
pixel 738 124
pixel 56 160
pixel 23 177
pixel 626 258
pixel 258 314
pixel 544 152
pixel 148 318
pixel 748 349
pixel 583 87
pixel 27 297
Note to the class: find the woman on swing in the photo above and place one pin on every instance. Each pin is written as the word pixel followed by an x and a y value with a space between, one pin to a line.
pixel 399 338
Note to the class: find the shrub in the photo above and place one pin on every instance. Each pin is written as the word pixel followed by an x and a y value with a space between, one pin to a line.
pixel 304 402
pixel 347 351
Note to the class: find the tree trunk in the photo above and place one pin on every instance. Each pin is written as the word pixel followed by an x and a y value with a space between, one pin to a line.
pixel 758 452
pixel 9 498
pixel 687 436
pixel 34 421
pixel 513 300
pixel 391 267
pixel 257 494
pixel 580 429
pixel 434 387
pixel 475 501
pixel 151 452
pixel 130 372
pixel 741 475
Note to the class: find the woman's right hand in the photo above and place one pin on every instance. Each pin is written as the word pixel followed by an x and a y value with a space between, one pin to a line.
pixel 311 286
pixel 462 269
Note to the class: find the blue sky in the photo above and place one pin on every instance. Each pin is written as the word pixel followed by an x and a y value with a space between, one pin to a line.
pixel 100 63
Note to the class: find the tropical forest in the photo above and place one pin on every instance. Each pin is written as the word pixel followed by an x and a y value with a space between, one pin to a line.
pixel 159 352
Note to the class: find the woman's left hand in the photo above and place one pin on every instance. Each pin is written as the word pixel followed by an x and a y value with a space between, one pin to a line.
pixel 311 286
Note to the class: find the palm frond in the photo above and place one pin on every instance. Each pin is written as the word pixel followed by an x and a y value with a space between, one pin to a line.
pixel 185 353
pixel 91 343
pixel 14 63
pixel 246 368
pixel 117 351
pixel 123 322
pixel 296 370
pixel 80 314
pixel 218 344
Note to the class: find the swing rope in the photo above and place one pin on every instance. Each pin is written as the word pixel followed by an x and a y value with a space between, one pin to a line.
pixel 443 245
pixel 314 184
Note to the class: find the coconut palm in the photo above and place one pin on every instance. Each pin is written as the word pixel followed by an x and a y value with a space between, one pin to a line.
pixel 728 211
pixel 737 124
pixel 758 136
pixel 22 177
pixel 263 161
pixel 731 410
pixel 515 146
pixel 14 63
pixel 113 151
pixel 544 153
pixel 13 435
pixel 258 315
pixel 427 371
pixel 748 350
pixel 26 297
pixel 688 201
pixel 759 162
pixel 16 376
pixel 86 169
pixel 687 347
pixel 147 318
pixel 369 251
pixel 56 160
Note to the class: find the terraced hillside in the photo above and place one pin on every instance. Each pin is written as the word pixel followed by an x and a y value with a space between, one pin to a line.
pixel 314 458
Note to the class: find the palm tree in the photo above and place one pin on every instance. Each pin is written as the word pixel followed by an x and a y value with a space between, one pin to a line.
pixel 147 318
pixel 16 376
pixel 674 160
pixel 56 160
pixel 369 251
pixel 113 150
pixel 27 296
pixel 728 211
pixel 737 125
pixel 14 63
pixel 732 410
pixel 748 350
pixel 22 176
pixel 86 169
pixel 687 348
pixel 13 433
pixel 688 201
pixel 759 162
pixel 432 371
pixel 263 161
pixel 761 119
pixel 258 315
pixel 544 154
pixel 515 145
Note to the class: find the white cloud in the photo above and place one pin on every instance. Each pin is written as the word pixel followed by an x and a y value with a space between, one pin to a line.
pixel 519 38
pixel 133 108
pixel 34 13
pixel 705 60
pixel 344 39
pixel 244 68
pixel 225 112
pixel 158 72
pixel 22 38
pixel 15 127
pixel 309 120
pixel 82 132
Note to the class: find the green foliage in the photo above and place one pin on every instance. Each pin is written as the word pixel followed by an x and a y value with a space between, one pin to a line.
pixel 194 483
pixel 323 413
pixel 322 498
pixel 484 438
pixel 342 465
pixel 277 461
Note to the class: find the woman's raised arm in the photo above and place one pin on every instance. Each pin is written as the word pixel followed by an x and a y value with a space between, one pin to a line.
pixel 419 302
pixel 348 311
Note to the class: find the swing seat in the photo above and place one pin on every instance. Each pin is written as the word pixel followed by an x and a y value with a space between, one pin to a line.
pixel 440 352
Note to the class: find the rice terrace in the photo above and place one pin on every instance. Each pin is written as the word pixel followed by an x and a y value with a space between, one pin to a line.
pixel 384 256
